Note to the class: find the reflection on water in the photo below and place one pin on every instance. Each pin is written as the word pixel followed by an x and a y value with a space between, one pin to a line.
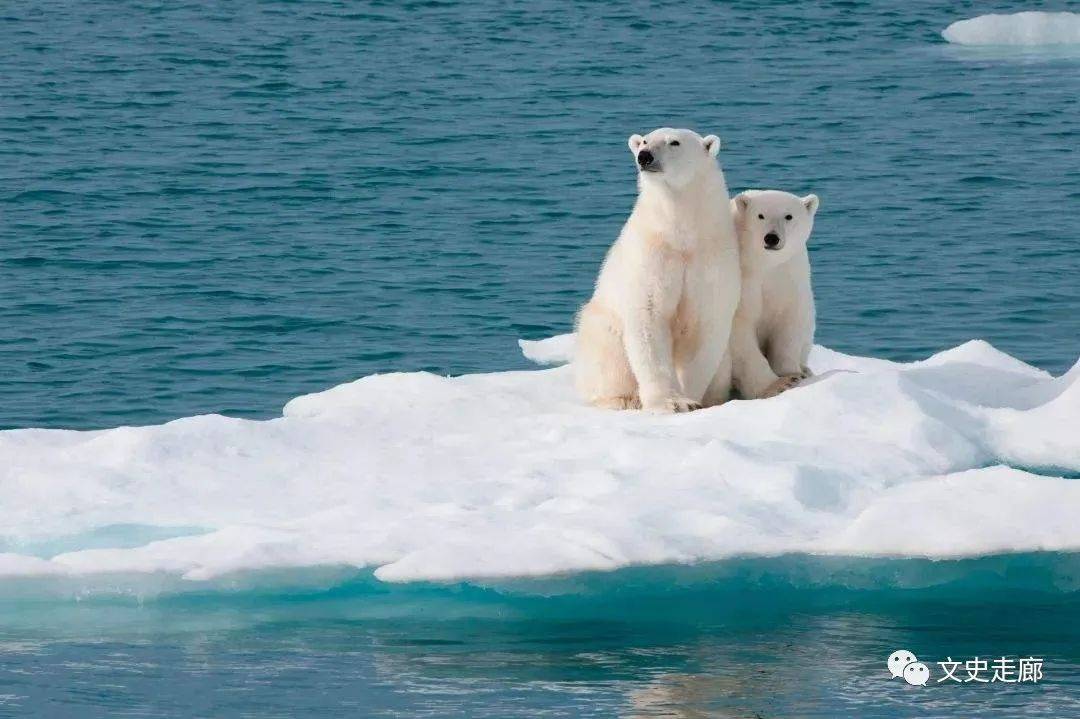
pixel 743 653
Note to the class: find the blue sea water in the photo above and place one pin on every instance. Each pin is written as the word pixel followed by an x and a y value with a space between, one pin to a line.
pixel 216 207
pixel 211 207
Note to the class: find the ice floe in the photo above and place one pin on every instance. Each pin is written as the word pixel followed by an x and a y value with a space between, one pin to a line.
pixel 422 477
pixel 1023 28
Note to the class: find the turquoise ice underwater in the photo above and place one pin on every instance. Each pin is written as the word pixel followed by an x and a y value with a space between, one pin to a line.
pixel 220 210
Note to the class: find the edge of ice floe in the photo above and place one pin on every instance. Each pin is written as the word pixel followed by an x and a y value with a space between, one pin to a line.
pixel 1029 29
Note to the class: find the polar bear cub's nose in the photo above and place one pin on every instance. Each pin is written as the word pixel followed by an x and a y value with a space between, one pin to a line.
pixel 772 240
pixel 644 159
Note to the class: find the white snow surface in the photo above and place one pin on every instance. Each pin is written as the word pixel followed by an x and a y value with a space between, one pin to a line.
pixel 1023 28
pixel 508 475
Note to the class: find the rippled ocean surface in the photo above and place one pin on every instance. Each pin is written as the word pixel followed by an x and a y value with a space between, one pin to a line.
pixel 211 207
pixel 215 207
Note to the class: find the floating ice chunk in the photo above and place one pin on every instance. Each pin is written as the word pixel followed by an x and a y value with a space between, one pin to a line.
pixel 1024 28
pixel 553 350
pixel 421 477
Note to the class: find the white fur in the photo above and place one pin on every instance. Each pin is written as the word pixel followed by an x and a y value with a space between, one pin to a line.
pixel 655 333
pixel 774 325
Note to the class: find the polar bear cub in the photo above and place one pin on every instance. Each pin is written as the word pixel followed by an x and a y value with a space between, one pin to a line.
pixel 655 333
pixel 774 325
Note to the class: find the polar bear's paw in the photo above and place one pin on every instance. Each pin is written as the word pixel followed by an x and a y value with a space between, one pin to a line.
pixel 781 385
pixel 805 373
pixel 674 405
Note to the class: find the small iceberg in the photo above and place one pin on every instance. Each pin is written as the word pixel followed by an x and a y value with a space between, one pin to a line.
pixel 417 477
pixel 1019 29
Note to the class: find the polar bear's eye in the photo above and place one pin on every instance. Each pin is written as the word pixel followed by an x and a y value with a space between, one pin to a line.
pixel 674 143
pixel 761 217
pixel 787 217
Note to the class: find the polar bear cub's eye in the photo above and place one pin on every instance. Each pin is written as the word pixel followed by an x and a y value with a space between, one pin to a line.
pixel 761 217
pixel 674 143
pixel 787 217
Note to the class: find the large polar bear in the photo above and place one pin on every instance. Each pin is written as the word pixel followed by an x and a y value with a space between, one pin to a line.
pixel 655 333
pixel 774 325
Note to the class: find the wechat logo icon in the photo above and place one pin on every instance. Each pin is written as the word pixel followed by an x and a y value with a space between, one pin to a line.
pixel 904 664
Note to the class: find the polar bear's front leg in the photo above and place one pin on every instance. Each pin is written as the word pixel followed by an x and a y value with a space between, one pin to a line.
pixel 752 374
pixel 789 347
pixel 647 335
pixel 650 351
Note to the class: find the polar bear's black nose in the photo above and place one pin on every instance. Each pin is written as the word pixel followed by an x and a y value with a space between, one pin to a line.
pixel 644 159
pixel 772 240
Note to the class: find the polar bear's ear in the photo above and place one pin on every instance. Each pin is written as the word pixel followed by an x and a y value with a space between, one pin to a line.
pixel 712 145
pixel 811 202
pixel 742 203
pixel 635 142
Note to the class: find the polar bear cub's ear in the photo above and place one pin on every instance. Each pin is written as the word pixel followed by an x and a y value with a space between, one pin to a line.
pixel 712 144
pixel 811 202
pixel 635 142
pixel 741 202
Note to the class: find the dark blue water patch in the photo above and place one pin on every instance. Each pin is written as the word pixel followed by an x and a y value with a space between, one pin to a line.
pixel 550 669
